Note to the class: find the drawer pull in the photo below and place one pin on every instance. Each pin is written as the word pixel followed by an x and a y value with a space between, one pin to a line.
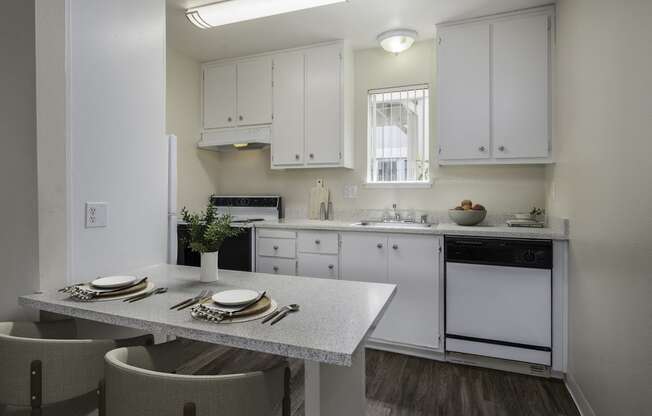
pixel 317 242
pixel 395 247
pixel 330 266
pixel 379 245
pixel 275 269
pixel 275 247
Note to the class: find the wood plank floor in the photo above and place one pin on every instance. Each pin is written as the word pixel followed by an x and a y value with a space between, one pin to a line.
pixel 399 385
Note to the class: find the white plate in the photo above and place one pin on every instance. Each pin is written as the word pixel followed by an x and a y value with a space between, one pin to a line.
pixel 112 282
pixel 235 297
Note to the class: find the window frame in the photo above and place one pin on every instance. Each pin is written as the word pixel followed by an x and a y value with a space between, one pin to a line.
pixel 427 146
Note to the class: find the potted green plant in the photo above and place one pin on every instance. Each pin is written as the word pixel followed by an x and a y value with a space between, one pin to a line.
pixel 207 230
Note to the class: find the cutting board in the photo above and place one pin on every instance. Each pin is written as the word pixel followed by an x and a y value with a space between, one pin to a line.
pixel 318 194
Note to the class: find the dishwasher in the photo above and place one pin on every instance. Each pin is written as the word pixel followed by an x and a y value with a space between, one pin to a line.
pixel 499 298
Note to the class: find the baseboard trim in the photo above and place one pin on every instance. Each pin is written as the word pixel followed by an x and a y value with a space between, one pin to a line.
pixel 578 397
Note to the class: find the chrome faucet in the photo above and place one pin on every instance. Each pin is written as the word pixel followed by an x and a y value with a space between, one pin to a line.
pixel 396 216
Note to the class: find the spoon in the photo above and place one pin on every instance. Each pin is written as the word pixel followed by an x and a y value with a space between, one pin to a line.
pixel 282 313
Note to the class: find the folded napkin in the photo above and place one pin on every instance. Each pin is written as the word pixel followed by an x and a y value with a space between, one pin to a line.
pixel 86 291
pixel 216 313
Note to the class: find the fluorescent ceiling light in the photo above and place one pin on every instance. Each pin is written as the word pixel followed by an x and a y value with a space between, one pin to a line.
pixel 232 11
pixel 397 41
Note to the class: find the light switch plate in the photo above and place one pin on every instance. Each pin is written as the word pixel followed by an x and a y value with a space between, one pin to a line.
pixel 96 214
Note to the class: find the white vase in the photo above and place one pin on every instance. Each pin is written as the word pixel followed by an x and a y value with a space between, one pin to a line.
pixel 208 271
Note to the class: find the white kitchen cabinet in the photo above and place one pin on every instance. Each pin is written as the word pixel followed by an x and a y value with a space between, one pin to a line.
pixel 237 94
pixel 323 105
pixel 520 49
pixel 313 108
pixel 464 96
pixel 413 316
pixel 275 265
pixel 364 257
pixel 493 82
pixel 219 96
pixel 254 91
pixel 412 263
pixel 318 265
pixel 288 127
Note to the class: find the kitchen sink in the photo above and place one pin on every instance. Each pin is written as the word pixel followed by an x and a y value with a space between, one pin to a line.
pixel 391 224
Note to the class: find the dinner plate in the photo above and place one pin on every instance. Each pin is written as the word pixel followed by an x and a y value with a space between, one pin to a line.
pixel 112 282
pixel 235 297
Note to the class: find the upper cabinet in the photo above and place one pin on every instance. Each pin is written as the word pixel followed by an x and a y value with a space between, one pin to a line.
pixel 494 99
pixel 304 94
pixel 313 108
pixel 238 94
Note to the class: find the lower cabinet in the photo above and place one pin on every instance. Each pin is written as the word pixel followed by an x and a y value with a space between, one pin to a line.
pixel 276 265
pixel 318 265
pixel 412 263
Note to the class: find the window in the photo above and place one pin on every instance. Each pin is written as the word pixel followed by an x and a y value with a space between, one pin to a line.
pixel 398 135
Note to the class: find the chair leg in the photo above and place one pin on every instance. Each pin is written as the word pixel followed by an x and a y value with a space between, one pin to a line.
pixel 189 409
pixel 101 399
pixel 287 408
pixel 36 386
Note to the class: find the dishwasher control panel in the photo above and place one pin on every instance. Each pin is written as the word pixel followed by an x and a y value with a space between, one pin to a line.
pixel 535 254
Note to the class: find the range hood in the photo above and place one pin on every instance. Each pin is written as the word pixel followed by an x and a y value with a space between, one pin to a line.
pixel 236 139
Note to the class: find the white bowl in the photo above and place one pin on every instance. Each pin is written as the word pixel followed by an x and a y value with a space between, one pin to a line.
pixel 467 217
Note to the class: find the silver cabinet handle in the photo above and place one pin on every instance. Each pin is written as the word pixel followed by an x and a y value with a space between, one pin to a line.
pixel 317 242
pixel 275 247
pixel 312 155
pixel 241 118
pixel 331 266
pixel 379 245
pixel 275 268
pixel 296 157
pixel 395 246
pixel 229 119
pixel 501 148
pixel 482 148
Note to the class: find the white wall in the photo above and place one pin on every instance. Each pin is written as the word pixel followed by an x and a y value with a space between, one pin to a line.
pixel 101 128
pixel 500 189
pixel 18 183
pixel 117 130
pixel 198 171
pixel 602 183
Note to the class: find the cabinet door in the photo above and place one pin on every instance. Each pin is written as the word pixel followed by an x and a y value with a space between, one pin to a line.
pixel 219 96
pixel 364 257
pixel 255 92
pixel 288 92
pixel 273 265
pixel 521 100
pixel 413 316
pixel 317 265
pixel 323 105
pixel 464 92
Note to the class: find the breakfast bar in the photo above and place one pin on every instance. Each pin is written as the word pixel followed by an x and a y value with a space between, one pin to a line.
pixel 329 331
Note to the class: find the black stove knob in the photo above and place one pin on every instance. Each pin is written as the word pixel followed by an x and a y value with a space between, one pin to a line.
pixel 530 256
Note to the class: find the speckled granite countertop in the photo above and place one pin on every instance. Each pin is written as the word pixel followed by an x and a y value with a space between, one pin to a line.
pixel 335 318
pixel 557 229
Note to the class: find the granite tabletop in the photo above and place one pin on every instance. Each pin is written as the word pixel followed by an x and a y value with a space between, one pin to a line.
pixel 557 229
pixel 335 318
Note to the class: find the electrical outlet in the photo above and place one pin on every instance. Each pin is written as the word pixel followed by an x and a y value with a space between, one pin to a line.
pixel 350 191
pixel 96 214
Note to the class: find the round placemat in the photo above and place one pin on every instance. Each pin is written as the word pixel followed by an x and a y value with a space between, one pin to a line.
pixel 149 286
pixel 273 306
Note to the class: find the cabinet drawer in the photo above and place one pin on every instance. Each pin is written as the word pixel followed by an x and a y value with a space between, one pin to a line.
pixel 274 265
pixel 276 247
pixel 318 265
pixel 273 233
pixel 318 242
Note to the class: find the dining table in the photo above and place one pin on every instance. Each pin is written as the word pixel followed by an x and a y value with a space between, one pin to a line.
pixel 329 332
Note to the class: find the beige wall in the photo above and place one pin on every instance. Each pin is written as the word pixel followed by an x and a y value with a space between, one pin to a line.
pixel 198 172
pixel 602 182
pixel 501 189
pixel 18 183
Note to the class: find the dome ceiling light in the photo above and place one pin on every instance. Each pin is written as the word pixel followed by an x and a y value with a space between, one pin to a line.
pixel 397 40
